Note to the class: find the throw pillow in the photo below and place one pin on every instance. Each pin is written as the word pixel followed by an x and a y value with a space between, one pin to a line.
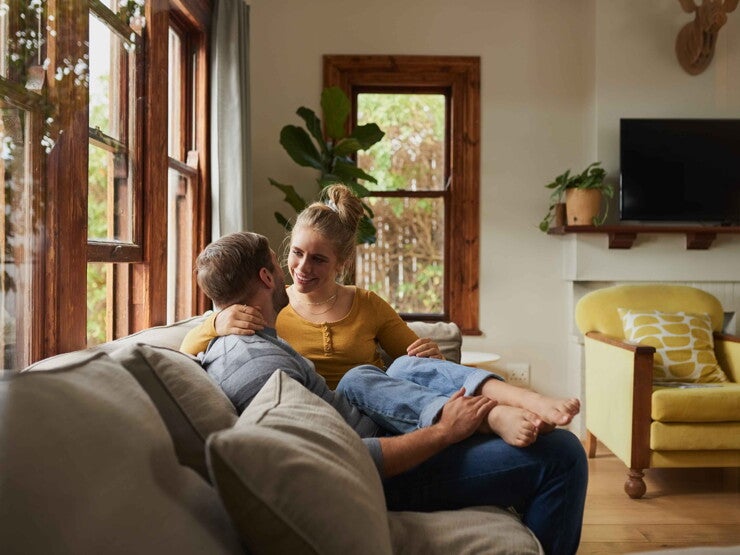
pixel 190 403
pixel 683 341
pixel 87 466
pixel 295 478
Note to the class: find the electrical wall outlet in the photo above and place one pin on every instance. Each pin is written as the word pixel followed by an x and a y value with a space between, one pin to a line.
pixel 516 373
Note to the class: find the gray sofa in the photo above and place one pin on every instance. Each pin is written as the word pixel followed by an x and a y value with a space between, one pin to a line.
pixel 130 448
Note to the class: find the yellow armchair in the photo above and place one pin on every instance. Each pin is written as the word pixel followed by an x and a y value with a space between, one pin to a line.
pixel 649 426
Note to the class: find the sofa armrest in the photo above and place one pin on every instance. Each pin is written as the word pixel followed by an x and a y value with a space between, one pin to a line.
pixel 619 377
pixel 445 334
pixel 727 349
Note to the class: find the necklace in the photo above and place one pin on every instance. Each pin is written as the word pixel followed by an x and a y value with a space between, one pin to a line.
pixel 331 301
pixel 334 296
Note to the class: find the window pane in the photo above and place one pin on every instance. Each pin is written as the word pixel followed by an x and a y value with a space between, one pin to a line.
pixel 412 154
pixel 179 247
pixel 20 225
pixel 23 31
pixel 406 265
pixel 4 39
pixel 174 123
pixel 106 114
pixel 109 201
pixel 99 302
pixel 112 138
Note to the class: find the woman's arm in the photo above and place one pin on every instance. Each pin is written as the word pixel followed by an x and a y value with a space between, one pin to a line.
pixel 236 319
pixel 396 337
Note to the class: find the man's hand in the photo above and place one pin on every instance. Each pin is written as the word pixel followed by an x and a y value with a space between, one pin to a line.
pixel 239 319
pixel 462 416
pixel 424 347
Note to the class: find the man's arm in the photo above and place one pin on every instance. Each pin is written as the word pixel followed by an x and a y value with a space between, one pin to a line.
pixel 461 417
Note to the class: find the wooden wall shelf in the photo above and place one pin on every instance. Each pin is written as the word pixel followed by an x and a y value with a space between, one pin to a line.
pixel 624 236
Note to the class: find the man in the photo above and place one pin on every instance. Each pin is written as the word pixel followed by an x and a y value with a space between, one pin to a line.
pixel 443 464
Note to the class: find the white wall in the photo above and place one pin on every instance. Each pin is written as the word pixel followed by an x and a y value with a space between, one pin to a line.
pixel 556 77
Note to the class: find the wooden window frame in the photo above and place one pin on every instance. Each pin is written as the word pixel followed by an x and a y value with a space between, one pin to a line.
pixel 59 299
pixel 460 75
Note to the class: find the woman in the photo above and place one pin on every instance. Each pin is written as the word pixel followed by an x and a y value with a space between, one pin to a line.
pixel 335 326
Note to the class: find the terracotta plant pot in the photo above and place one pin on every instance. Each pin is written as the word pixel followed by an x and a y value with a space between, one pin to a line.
pixel 582 205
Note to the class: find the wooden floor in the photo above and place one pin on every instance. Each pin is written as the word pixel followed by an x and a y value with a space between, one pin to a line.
pixel 682 508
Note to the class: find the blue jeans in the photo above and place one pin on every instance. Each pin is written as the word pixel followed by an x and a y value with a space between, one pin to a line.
pixel 545 482
pixel 411 393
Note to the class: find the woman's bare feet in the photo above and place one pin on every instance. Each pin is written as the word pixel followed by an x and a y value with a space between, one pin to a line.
pixel 517 427
pixel 558 412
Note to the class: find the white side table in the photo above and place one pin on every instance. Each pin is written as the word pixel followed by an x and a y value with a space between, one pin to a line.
pixel 478 359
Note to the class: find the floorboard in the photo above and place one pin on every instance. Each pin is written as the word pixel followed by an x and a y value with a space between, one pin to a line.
pixel 682 508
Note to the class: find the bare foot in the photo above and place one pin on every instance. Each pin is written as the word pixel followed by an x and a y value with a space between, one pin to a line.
pixel 517 427
pixel 558 412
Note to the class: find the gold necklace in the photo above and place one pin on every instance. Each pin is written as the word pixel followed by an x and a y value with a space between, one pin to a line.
pixel 331 301
pixel 334 296
pixel 327 309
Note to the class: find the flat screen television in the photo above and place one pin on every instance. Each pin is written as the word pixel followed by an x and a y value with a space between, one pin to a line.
pixel 680 170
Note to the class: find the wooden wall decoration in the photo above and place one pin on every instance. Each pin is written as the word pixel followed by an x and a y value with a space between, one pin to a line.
pixel 696 40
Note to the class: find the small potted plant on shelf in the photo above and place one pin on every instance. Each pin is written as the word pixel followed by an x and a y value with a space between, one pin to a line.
pixel 583 193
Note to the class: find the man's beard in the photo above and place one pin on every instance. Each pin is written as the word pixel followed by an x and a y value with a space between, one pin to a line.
pixel 280 298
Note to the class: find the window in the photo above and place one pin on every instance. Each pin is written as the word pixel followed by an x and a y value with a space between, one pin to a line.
pixel 427 200
pixel 406 264
pixel 22 112
pixel 113 169
pixel 85 220
pixel 186 147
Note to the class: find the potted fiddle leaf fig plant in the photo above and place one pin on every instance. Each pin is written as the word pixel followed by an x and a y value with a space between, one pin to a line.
pixel 582 193
pixel 330 152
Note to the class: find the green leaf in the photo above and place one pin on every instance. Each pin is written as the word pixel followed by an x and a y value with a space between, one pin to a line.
pixel 349 171
pixel 346 146
pixel 336 108
pixel 283 221
pixel 298 145
pixel 366 232
pixel 367 135
pixel 313 124
pixel 291 197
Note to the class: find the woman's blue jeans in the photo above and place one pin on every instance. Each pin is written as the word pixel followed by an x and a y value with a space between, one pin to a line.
pixel 545 482
pixel 411 393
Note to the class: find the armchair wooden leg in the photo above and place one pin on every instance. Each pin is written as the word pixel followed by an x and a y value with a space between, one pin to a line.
pixel 591 444
pixel 635 486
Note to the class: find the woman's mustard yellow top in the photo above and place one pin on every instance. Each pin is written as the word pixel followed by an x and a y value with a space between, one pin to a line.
pixel 333 347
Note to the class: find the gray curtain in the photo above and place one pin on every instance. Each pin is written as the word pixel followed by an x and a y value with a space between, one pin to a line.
pixel 231 185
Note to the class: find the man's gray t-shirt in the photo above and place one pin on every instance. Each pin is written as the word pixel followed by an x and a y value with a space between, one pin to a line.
pixel 241 364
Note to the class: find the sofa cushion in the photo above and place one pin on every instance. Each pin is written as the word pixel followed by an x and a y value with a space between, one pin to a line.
pixel 683 341
pixel 697 403
pixel 87 466
pixel 170 335
pixel 190 403
pixel 487 530
pixel 445 334
pixel 296 478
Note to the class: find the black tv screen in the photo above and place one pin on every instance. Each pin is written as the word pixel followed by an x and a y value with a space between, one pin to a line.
pixel 680 170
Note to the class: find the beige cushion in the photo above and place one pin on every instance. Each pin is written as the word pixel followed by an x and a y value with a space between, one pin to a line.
pixel 445 334
pixel 170 335
pixel 87 466
pixel 296 478
pixel 488 530
pixel 190 403
pixel 683 341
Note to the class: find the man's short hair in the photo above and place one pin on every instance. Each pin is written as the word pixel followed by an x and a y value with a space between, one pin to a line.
pixel 228 269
